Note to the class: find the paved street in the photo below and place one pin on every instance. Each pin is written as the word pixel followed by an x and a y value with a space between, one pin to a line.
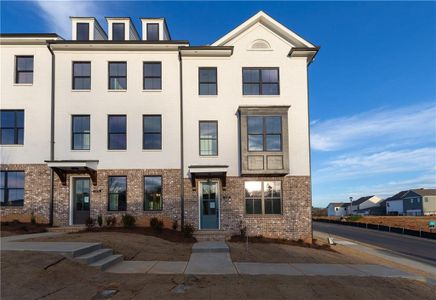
pixel 420 249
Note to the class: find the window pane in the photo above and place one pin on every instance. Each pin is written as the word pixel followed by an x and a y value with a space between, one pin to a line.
pixel 273 124
pixel 153 193
pixel 16 180
pixel 208 147
pixel 251 89
pixel 272 206
pixel 82 31
pixel 81 123
pixel 8 136
pixel 25 77
pixel 118 69
pixel 153 32
pixel 152 69
pixel 270 89
pixel 255 125
pixel 253 189
pixel 272 189
pixel 117 184
pixel 117 141
pixel 255 142
pixel 20 118
pixel 117 193
pixel 25 63
pixel 82 69
pixel 152 141
pixel 208 89
pixel 250 75
pixel 152 124
pixel 253 206
pixel 118 31
pixel 2 197
pixel 270 75
pixel 208 130
pixel 16 197
pixel 118 83
pixel 2 179
pixel 273 143
pixel 7 119
pixel 207 75
pixel 82 83
pixel 117 124
pixel 81 141
pixel 152 84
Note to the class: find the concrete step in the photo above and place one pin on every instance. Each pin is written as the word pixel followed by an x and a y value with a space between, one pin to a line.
pixel 67 229
pixel 210 247
pixel 107 262
pixel 212 235
pixel 94 256
pixel 79 251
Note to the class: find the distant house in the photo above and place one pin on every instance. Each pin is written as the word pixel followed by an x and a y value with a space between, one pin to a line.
pixel 363 204
pixel 336 209
pixel 415 202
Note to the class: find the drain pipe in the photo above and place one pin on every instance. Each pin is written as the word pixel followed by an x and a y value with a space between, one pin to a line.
pixel 52 116
pixel 182 167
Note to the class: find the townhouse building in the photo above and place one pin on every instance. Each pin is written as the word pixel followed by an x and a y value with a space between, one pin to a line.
pixel 216 136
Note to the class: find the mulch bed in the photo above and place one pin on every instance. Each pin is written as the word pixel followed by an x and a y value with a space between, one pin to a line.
pixel 166 234
pixel 264 240
pixel 16 227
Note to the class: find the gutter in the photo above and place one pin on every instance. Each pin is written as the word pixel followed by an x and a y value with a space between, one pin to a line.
pixel 52 137
pixel 182 167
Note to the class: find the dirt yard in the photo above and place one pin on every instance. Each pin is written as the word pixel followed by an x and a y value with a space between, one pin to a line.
pixel 49 276
pixel 408 222
pixel 16 227
pixel 132 246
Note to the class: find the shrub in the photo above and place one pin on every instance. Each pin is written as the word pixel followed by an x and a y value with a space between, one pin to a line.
pixel 156 225
pixel 90 222
pixel 175 224
pixel 353 218
pixel 188 230
pixel 111 221
pixel 100 220
pixel 128 220
pixel 32 218
pixel 242 229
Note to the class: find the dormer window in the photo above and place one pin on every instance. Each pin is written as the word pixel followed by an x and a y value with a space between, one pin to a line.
pixel 118 31
pixel 82 31
pixel 152 31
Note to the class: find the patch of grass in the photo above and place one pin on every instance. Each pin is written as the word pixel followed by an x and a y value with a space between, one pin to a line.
pixel 353 218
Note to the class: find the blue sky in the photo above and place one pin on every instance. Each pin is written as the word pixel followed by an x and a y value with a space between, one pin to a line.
pixel 372 86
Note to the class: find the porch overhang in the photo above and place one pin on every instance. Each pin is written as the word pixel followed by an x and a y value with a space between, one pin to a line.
pixel 64 167
pixel 208 172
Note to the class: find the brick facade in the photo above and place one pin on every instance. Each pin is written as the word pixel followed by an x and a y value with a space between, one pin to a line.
pixel 294 222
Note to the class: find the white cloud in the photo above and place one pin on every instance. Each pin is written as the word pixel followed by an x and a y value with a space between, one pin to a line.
pixel 57 14
pixel 404 125
pixel 360 165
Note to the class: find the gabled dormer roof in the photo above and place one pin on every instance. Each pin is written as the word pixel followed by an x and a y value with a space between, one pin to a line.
pixel 278 28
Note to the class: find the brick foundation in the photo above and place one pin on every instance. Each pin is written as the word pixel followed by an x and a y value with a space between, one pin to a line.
pixel 294 222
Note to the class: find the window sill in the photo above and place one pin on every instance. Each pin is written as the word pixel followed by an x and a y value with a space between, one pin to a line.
pixel 116 150
pixel 111 91
pixel 208 96
pixel 80 150
pixel 152 210
pixel 12 145
pixel 81 90
pixel 153 91
pixel 11 206
pixel 263 216
pixel 209 156
pixel 23 84
pixel 151 150
pixel 260 96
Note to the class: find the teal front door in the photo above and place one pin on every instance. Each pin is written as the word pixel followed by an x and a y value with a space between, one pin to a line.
pixel 209 205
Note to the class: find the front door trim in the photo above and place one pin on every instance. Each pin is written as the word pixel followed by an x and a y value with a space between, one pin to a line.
pixel 199 190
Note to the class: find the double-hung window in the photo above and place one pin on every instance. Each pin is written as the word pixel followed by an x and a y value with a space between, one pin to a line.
pixel 260 81
pixel 117 195
pixel 12 127
pixel 81 75
pixel 117 132
pixel 152 31
pixel 152 76
pixel 11 188
pixel 263 197
pixel 24 69
pixel 81 132
pixel 264 133
pixel 118 31
pixel 117 75
pixel 207 81
pixel 208 138
pixel 152 135
pixel 82 31
pixel 152 193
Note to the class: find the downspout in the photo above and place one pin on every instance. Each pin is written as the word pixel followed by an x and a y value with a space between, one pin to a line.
pixel 182 167
pixel 52 116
